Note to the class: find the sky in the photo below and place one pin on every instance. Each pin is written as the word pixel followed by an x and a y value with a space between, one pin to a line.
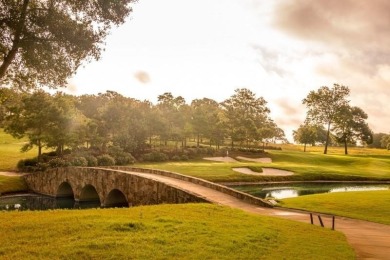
pixel 280 50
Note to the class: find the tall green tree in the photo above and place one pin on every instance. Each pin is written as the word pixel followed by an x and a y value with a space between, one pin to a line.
pixel 305 134
pixel 385 141
pixel 324 105
pixel 350 126
pixel 205 118
pixel 43 42
pixel 244 115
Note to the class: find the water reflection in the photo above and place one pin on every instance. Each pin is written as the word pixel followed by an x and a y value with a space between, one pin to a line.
pixel 281 191
pixel 39 202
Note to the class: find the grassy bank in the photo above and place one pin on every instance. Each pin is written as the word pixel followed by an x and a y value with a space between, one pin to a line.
pixel 10 153
pixel 10 184
pixel 368 205
pixel 190 231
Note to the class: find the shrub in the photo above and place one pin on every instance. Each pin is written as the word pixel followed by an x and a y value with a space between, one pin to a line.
pixel 58 162
pixel 155 157
pixel 79 161
pixel 105 160
pixel 176 158
pixel 91 161
pixel 184 157
pixel 28 165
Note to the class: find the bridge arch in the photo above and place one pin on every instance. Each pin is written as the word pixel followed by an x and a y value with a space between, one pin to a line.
pixel 64 190
pixel 89 193
pixel 116 198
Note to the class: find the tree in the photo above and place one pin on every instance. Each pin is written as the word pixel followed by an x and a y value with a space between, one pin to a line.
pixel 376 140
pixel 385 141
pixel 350 126
pixel 324 105
pixel 205 118
pixel 43 42
pixel 305 134
pixel 245 115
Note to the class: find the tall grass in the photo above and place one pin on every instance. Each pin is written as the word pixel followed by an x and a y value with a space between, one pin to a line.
pixel 191 231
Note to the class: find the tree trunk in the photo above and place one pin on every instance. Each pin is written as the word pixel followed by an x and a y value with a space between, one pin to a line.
pixel 327 139
pixel 345 146
pixel 304 148
pixel 15 42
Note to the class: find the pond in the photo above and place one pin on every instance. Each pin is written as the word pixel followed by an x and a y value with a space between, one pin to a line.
pixel 40 202
pixel 290 190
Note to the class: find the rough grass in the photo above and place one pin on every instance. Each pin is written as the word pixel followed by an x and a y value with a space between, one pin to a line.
pixel 9 184
pixel 368 205
pixel 190 231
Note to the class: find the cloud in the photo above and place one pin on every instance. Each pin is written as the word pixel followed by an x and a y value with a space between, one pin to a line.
pixel 356 29
pixel 142 77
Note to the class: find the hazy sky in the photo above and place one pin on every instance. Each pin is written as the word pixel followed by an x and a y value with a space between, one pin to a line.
pixel 279 49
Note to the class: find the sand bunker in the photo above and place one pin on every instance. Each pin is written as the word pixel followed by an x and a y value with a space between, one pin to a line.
pixel 266 172
pixel 221 159
pixel 262 160
pixel 12 174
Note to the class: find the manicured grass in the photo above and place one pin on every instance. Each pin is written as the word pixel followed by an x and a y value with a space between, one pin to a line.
pixel 368 205
pixel 12 184
pixel 186 231
pixel 10 152
pixel 306 166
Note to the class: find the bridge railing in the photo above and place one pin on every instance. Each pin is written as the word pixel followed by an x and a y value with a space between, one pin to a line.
pixel 234 193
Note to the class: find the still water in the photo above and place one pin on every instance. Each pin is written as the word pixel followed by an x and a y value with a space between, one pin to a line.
pixel 40 202
pixel 282 191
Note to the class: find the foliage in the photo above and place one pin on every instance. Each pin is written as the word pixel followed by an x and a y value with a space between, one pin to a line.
pixel 246 117
pixel 78 161
pixel 155 157
pixel 184 231
pixel 348 204
pixel 121 157
pixel 324 105
pixel 376 140
pixel 59 162
pixel 42 43
pixel 309 134
pixel 350 126
pixel 105 160
pixel 91 161
pixel 385 141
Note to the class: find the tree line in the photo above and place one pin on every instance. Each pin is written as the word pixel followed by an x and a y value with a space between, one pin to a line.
pixel 59 121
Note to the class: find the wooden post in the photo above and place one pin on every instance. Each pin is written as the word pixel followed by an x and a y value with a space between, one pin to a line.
pixel 333 222
pixel 311 218
pixel 320 219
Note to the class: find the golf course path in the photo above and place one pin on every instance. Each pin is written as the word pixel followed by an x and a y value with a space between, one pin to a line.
pixel 369 240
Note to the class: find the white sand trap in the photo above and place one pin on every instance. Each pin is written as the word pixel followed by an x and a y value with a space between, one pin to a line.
pixel 221 159
pixel 262 160
pixel 266 172
pixel 12 174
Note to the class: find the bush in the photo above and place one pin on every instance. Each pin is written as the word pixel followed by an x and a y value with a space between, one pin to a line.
pixel 28 165
pixel 176 158
pixel 155 157
pixel 184 157
pixel 105 160
pixel 91 161
pixel 79 161
pixel 58 162
pixel 121 157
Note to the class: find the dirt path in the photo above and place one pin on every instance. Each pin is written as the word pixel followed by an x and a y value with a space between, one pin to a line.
pixel 369 240
pixel 11 174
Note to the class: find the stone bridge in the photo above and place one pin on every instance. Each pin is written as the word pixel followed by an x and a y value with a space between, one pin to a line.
pixel 129 186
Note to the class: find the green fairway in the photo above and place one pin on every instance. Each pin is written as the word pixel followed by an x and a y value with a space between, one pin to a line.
pixel 306 166
pixel 186 231
pixel 368 205
pixel 10 152
pixel 12 184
